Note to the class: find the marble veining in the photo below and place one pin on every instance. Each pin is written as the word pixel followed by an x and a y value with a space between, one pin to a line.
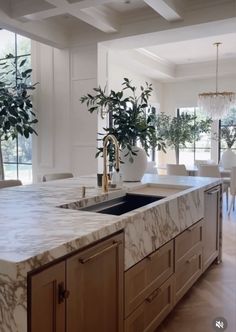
pixel 40 223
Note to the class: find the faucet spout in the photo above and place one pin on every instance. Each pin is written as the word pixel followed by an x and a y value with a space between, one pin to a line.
pixel 108 138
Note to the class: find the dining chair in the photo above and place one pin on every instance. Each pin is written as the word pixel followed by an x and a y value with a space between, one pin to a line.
pixel 213 171
pixel 198 162
pixel 151 168
pixel 9 183
pixel 56 176
pixel 232 188
pixel 174 169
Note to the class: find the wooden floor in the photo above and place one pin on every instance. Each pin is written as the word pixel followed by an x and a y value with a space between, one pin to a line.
pixel 214 295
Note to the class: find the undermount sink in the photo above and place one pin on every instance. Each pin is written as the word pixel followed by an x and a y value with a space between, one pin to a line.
pixel 123 204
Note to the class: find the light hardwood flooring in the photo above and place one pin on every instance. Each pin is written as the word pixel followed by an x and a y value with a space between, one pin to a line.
pixel 214 294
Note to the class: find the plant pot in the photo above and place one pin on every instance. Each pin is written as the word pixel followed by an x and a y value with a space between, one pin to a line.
pixel 133 171
pixel 228 159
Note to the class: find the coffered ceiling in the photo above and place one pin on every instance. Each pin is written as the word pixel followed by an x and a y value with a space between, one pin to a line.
pixel 164 37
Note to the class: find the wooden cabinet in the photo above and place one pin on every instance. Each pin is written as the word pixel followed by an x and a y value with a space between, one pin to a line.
pixel 146 276
pixel 149 290
pixel 212 225
pixel 85 292
pixel 47 300
pixel 81 293
pixel 188 259
pixel 95 282
pixel 153 310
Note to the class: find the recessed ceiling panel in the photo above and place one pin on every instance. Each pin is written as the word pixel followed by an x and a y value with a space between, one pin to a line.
pixel 197 50
pixel 127 6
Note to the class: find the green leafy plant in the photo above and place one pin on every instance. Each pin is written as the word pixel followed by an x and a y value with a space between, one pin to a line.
pixel 228 129
pixel 132 118
pixel 181 129
pixel 16 114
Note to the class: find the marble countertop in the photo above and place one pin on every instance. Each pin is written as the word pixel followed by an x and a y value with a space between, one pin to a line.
pixel 35 230
pixel 31 222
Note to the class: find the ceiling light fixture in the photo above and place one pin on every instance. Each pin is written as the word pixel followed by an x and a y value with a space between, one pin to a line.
pixel 216 104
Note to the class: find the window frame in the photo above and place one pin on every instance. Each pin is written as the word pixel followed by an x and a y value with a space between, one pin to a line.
pixel 17 162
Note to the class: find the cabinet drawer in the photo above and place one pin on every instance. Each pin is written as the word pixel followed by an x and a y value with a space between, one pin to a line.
pixel 147 275
pixel 188 239
pixel 188 270
pixel 153 310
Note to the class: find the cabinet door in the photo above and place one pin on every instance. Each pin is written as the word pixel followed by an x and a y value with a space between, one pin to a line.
pixel 153 310
pixel 211 227
pixel 146 276
pixel 47 300
pixel 95 282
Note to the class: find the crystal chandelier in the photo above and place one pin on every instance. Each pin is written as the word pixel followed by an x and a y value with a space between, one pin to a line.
pixel 216 104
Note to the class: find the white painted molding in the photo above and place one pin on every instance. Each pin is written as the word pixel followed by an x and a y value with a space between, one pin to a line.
pixel 166 8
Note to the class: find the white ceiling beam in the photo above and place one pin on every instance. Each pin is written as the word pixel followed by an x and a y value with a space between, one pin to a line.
pixel 27 7
pixel 102 19
pixel 89 3
pixel 41 15
pixel 166 8
pixel 44 32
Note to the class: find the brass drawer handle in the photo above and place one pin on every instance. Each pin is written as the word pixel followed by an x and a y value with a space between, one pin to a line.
pixel 88 259
pixel 153 295
pixel 190 229
pixel 213 192
pixel 191 259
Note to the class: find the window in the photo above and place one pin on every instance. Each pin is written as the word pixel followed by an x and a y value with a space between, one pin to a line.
pixel 227 130
pixel 198 150
pixel 17 154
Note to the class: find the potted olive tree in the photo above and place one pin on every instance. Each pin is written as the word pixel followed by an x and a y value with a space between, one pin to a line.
pixel 228 136
pixel 16 114
pixel 179 130
pixel 132 122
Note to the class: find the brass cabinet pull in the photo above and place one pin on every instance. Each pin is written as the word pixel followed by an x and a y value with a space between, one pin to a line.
pixel 190 229
pixel 63 293
pixel 191 259
pixel 88 259
pixel 153 295
pixel 213 192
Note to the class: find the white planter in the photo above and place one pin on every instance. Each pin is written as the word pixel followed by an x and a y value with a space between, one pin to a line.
pixel 228 159
pixel 134 171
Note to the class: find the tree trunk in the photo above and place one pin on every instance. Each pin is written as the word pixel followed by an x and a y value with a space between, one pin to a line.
pixel 177 154
pixel 1 163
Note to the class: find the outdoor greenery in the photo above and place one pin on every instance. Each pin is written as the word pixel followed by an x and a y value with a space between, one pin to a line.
pixel 16 114
pixel 179 130
pixel 132 119
pixel 228 129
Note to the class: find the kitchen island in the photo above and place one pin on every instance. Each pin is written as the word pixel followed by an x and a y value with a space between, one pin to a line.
pixel 40 224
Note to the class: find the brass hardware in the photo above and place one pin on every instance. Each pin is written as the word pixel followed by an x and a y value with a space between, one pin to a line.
pixel 113 245
pixel 191 259
pixel 63 293
pixel 190 229
pixel 105 175
pixel 213 192
pixel 153 295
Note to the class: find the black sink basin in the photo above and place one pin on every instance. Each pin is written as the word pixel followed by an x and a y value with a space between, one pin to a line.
pixel 123 204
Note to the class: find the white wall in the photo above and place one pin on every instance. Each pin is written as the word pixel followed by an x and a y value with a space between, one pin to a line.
pixel 118 68
pixel 185 93
pixel 83 124
pixel 52 104
pixel 66 130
